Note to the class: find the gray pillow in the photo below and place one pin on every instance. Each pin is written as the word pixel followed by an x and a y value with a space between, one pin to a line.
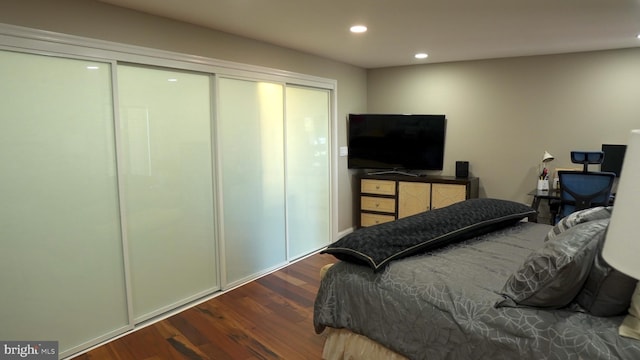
pixel 607 291
pixel 552 276
pixel 579 217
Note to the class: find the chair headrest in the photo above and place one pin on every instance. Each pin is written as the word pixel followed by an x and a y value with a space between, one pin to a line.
pixel 587 157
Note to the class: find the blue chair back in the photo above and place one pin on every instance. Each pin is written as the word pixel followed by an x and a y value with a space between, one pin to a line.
pixel 582 190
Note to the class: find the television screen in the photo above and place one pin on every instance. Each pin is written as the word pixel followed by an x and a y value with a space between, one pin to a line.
pixel 396 141
pixel 613 157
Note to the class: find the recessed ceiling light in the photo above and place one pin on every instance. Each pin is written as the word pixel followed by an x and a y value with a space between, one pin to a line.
pixel 421 56
pixel 93 67
pixel 358 29
pixel 172 80
pixel 638 36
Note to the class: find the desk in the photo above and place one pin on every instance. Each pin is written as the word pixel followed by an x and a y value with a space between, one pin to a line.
pixel 548 195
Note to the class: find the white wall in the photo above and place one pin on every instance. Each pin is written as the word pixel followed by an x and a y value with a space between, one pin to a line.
pixel 504 113
pixel 93 19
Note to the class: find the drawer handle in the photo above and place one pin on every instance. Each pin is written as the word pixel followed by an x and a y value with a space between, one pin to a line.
pixel 377 187
pixel 377 204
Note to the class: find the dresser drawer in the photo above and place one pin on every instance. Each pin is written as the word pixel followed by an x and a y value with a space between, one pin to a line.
pixel 378 187
pixel 378 204
pixel 374 219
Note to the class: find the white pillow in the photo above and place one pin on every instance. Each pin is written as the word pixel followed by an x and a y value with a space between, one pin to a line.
pixel 579 217
pixel 631 325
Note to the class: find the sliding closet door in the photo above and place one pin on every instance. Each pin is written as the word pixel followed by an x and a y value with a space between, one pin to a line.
pixel 165 124
pixel 307 159
pixel 250 138
pixel 61 263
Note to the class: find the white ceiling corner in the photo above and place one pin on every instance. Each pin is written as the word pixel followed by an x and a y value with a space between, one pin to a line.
pixel 448 30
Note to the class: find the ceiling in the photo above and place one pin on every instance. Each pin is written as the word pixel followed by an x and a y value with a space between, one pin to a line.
pixel 448 30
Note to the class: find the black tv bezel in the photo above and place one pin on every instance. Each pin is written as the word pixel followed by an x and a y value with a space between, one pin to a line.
pixel 355 163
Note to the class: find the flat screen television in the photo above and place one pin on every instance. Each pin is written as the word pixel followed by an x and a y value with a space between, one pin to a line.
pixel 396 141
pixel 613 158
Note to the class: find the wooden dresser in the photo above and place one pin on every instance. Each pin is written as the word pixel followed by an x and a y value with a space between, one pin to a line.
pixel 385 198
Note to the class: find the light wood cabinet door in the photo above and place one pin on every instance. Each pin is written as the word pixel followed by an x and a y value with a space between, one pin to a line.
pixel 413 198
pixel 446 194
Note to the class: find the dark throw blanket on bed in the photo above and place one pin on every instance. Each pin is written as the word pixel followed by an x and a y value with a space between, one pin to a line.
pixel 378 245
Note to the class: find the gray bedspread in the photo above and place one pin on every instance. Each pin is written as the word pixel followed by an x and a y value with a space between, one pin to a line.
pixel 441 306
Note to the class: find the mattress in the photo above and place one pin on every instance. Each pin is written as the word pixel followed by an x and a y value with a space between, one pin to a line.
pixel 441 305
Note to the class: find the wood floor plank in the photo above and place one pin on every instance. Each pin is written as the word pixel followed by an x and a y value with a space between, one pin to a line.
pixel 179 341
pixel 267 319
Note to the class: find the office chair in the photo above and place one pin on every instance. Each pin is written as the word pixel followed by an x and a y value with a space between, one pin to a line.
pixel 584 189
pixel 587 157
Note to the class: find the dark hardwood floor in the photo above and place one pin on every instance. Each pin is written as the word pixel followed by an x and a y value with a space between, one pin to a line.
pixel 269 318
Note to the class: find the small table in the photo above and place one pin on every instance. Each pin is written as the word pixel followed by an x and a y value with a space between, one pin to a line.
pixel 538 195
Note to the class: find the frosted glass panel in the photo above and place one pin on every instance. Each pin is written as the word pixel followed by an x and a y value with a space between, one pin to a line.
pixel 250 125
pixel 165 124
pixel 61 263
pixel 307 129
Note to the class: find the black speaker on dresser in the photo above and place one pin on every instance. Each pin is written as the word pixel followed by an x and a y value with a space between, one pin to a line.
pixel 462 169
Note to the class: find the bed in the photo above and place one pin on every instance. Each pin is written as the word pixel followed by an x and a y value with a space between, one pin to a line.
pixel 475 281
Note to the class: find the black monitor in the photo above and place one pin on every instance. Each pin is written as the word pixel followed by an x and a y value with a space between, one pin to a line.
pixel 613 158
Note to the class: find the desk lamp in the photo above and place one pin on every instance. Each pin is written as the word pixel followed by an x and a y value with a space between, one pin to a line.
pixel 622 245
pixel 546 158
pixel 543 179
